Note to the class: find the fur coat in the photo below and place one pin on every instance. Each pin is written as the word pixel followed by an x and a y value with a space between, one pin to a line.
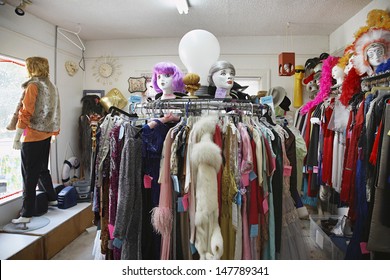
pixel 206 161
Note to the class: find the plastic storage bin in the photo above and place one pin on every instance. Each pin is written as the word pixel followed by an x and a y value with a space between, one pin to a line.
pixel 326 242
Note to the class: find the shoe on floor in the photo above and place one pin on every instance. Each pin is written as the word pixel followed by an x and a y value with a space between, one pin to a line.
pixel 53 203
pixel 21 220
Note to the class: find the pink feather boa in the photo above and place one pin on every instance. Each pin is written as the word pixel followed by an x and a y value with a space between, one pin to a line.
pixel 162 219
pixel 326 82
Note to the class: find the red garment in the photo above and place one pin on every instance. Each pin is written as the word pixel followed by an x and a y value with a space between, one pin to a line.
pixel 308 127
pixel 327 147
pixel 348 180
pixel 374 152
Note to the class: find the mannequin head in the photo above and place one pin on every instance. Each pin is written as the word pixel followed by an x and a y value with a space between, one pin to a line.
pixel 338 74
pixel 375 54
pixel 167 78
pixel 349 65
pixel 221 75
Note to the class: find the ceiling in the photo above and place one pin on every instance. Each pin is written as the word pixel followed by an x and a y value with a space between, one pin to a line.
pixel 129 19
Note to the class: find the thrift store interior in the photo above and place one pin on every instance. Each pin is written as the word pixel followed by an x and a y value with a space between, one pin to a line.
pixel 161 136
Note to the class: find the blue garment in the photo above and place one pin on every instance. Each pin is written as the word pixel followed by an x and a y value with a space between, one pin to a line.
pixel 152 145
pixel 353 249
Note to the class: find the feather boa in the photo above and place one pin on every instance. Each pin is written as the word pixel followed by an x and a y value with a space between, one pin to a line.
pixel 326 82
pixel 351 85
pixel 162 219
pixel 373 35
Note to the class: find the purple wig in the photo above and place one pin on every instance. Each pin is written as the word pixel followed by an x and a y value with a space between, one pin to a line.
pixel 168 68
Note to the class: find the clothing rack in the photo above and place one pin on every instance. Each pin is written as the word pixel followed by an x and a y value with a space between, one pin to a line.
pixel 186 106
pixel 377 80
pixel 112 110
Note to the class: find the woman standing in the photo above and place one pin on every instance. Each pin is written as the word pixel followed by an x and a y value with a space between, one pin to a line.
pixel 38 121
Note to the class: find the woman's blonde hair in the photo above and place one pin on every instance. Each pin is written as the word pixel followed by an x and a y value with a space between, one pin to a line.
pixel 37 66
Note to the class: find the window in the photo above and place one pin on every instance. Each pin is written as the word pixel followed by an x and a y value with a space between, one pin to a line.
pixel 254 84
pixel 12 75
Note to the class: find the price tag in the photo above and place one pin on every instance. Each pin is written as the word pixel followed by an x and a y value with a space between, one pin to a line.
pixel 254 231
pixel 176 184
pixel 220 93
pixel 363 248
pixel 252 176
pixel 180 207
pixel 185 202
pixel 147 181
pixel 265 204
pixel 121 132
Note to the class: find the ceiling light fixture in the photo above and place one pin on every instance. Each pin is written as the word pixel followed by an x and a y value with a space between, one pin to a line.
pixel 182 6
pixel 19 10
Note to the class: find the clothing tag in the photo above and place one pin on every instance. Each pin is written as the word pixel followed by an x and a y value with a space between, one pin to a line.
pixel 234 215
pixel 220 93
pixel 193 248
pixel 147 181
pixel 388 133
pixel 287 170
pixel 363 248
pixel 315 120
pixel 245 179
pixel 265 205
pixel 254 231
pixel 238 199
pixel 121 132
pixel 135 99
pixel 315 169
pixel 111 229
pixel 184 201
pixel 180 207
pixel 117 243
pixel 252 176
pixel 176 184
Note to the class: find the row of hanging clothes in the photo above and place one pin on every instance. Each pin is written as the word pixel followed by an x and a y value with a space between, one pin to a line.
pixel 347 162
pixel 201 180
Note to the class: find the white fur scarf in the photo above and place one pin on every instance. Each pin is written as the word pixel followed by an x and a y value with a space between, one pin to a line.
pixel 206 161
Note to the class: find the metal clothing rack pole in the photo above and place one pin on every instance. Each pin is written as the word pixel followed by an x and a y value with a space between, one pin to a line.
pixel 382 79
pixel 189 105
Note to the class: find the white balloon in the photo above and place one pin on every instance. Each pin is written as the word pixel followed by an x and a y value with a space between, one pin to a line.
pixel 199 50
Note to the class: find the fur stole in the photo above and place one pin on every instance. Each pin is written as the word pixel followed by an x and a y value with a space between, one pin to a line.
pixel 206 160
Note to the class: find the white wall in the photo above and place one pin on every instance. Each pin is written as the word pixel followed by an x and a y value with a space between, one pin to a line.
pixel 249 55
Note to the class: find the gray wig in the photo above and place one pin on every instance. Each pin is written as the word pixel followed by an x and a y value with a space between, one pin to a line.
pixel 217 66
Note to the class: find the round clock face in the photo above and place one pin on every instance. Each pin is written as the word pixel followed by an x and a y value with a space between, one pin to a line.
pixel 105 70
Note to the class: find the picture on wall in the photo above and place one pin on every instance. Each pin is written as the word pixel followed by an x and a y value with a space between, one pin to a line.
pixel 137 84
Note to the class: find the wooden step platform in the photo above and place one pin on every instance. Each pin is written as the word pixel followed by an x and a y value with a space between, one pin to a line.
pixel 43 243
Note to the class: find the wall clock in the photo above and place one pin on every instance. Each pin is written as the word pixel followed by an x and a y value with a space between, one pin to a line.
pixel 106 70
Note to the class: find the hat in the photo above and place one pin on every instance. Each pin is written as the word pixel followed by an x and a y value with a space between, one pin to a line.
pixel 279 96
pixel 113 98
